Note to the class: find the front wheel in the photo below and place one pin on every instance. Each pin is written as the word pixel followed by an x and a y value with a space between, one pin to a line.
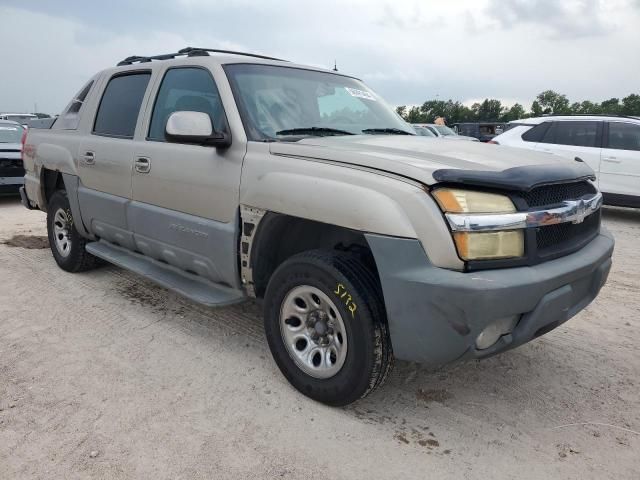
pixel 326 327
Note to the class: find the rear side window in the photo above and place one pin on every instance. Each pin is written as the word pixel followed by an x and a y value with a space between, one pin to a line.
pixel 120 105
pixel 624 136
pixel 536 133
pixel 70 118
pixel 186 89
pixel 578 134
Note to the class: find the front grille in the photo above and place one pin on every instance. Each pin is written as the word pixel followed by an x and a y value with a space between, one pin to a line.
pixel 549 195
pixel 563 236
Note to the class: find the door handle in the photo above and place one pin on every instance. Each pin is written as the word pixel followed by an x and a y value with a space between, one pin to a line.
pixel 89 158
pixel 143 165
pixel 611 160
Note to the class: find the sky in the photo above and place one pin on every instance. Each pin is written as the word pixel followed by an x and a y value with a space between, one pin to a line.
pixel 408 51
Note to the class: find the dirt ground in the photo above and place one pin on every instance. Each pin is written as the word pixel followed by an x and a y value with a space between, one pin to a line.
pixel 104 375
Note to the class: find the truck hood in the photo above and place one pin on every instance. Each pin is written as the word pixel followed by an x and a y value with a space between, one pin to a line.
pixel 418 157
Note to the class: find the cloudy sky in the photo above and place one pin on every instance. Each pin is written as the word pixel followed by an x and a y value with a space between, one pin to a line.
pixel 406 50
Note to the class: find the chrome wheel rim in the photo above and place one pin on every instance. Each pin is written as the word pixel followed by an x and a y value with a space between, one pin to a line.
pixel 313 332
pixel 62 223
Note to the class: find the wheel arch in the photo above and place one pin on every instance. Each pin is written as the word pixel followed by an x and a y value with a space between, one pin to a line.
pixel 52 180
pixel 269 238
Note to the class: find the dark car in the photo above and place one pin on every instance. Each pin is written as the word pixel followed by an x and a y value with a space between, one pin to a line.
pixel 483 131
pixel 11 168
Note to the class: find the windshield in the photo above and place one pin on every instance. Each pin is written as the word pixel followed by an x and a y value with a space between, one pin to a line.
pixel 444 130
pixel 10 133
pixel 277 103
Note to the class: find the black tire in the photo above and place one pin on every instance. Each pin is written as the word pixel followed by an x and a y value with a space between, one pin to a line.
pixel 76 259
pixel 369 357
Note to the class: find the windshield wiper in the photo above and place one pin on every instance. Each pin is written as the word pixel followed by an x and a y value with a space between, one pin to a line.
pixel 388 131
pixel 316 131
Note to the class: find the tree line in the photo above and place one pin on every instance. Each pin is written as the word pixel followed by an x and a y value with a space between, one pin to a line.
pixel 492 110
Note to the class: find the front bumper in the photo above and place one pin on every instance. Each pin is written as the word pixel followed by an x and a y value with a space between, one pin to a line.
pixel 435 315
pixel 11 184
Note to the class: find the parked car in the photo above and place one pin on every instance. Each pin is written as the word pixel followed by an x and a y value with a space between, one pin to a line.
pixel 11 169
pixel 423 131
pixel 226 176
pixel 608 144
pixel 482 131
pixel 21 118
pixel 442 131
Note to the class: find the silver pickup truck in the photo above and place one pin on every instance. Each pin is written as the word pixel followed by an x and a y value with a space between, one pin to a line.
pixel 225 175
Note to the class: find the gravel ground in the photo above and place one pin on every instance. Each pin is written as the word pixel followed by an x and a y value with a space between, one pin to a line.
pixel 104 375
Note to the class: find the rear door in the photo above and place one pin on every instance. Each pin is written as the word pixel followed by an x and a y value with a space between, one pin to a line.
pixel 105 157
pixel 620 167
pixel 574 138
pixel 185 196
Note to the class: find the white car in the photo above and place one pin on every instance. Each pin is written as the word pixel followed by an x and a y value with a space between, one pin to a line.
pixel 442 131
pixel 608 144
pixel 22 118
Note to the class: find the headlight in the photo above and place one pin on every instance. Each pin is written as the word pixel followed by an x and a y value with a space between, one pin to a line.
pixel 468 201
pixel 476 245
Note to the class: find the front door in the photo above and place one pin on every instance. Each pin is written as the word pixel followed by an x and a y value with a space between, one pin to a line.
pixel 185 197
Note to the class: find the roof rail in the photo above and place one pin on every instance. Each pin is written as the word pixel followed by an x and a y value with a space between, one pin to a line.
pixel 617 115
pixel 190 52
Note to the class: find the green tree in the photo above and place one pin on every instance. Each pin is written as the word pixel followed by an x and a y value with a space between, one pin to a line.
pixel 516 112
pixel 553 103
pixel 402 111
pixel 536 109
pixel 585 107
pixel 414 115
pixel 611 107
pixel 631 105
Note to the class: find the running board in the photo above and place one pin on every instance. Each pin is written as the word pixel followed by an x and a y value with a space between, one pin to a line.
pixel 191 286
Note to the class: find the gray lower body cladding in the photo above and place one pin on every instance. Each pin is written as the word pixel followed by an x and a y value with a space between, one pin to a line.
pixel 435 315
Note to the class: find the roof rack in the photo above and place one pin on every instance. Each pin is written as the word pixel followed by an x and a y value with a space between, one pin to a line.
pixel 190 52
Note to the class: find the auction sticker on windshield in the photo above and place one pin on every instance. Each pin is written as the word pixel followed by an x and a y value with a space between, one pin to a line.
pixel 354 92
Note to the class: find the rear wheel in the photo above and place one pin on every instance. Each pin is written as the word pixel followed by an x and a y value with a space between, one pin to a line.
pixel 326 327
pixel 67 245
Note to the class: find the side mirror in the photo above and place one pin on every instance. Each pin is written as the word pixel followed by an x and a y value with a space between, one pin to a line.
pixel 194 127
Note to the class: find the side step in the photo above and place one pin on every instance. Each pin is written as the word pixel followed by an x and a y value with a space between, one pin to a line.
pixel 191 286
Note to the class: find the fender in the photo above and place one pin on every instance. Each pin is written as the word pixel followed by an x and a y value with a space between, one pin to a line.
pixel 349 196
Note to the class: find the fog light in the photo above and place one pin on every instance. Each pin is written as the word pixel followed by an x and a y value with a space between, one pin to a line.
pixel 494 331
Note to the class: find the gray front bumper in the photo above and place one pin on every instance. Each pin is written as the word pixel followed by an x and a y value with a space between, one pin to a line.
pixel 11 180
pixel 435 314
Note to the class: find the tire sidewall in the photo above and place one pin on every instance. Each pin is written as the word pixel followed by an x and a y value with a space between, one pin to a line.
pixel 353 379
pixel 59 200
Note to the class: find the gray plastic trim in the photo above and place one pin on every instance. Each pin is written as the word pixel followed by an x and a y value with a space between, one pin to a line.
pixel 435 314
pixel 191 286
pixel 71 184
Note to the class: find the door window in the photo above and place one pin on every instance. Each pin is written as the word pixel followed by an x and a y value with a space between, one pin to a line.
pixel 579 134
pixel 186 89
pixel 624 136
pixel 120 105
